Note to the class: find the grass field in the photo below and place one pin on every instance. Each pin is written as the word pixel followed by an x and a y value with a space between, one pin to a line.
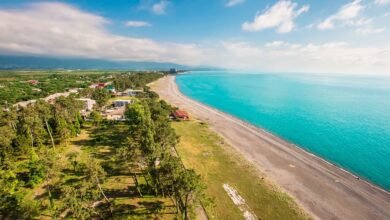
pixel 218 163
pixel 118 184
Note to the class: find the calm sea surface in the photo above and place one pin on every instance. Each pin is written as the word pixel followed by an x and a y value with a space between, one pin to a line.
pixel 344 119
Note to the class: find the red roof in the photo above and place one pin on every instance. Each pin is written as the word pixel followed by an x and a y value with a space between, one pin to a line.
pixel 33 81
pixel 180 114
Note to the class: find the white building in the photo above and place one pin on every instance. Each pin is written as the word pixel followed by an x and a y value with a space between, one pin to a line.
pixel 88 103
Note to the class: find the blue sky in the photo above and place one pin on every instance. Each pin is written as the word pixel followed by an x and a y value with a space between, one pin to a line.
pixel 340 36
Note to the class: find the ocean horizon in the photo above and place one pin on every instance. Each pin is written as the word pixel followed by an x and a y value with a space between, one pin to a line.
pixel 342 119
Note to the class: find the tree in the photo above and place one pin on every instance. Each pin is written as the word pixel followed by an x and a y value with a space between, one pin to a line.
pixel 189 188
pixel 141 126
pixel 101 96
pixel 96 118
pixel 182 185
pixel 94 174
pixel 15 202
pixel 7 136
pixel 78 200
pixel 31 126
pixel 44 111
pixel 66 118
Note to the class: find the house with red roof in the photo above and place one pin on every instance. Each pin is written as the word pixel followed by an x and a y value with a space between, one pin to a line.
pixel 180 115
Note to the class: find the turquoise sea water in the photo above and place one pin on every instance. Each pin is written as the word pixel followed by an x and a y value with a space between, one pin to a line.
pixel 343 119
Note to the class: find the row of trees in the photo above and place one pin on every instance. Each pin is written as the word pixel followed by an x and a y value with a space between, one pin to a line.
pixel 151 149
pixel 134 80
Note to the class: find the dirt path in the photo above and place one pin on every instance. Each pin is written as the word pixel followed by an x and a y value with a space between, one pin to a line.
pixel 324 190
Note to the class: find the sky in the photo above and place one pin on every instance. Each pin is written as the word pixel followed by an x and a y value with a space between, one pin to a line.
pixel 317 36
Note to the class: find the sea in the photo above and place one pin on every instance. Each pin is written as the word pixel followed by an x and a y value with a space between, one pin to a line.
pixel 344 119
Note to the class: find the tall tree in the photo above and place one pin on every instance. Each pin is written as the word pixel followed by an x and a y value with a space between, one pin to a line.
pixel 45 113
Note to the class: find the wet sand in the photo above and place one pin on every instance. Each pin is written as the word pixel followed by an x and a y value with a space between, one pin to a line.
pixel 324 190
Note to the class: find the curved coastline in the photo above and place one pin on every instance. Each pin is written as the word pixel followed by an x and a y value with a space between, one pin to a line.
pixel 278 138
pixel 322 188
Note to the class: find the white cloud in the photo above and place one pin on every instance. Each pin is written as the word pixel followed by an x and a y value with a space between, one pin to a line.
pixel 328 57
pixel 280 16
pixel 382 2
pixel 276 44
pixel 346 14
pixel 368 30
pixel 58 29
pixel 137 24
pixel 69 32
pixel 160 7
pixel 232 3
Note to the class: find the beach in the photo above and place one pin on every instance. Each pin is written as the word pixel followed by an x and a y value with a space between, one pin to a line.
pixel 324 190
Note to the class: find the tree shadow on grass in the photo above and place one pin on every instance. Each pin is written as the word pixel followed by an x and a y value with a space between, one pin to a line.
pixel 130 192
pixel 113 135
pixel 122 210
pixel 154 207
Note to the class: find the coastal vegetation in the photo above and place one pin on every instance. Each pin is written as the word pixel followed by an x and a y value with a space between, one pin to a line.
pixel 55 164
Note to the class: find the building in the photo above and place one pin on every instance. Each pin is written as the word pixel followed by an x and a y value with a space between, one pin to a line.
pixel 180 115
pixel 100 85
pixel 115 114
pixel 121 103
pixel 173 70
pixel 88 103
pixel 130 92
pixel 110 88
pixel 33 82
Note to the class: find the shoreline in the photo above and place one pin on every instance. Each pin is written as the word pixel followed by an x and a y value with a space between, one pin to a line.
pixel 247 123
pixel 323 189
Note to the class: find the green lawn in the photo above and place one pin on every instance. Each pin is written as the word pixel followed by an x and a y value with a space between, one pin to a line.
pixel 118 184
pixel 218 163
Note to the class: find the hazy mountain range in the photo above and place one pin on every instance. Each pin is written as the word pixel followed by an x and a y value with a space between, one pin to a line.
pixel 31 62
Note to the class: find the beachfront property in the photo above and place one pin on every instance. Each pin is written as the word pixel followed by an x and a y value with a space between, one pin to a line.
pixel 180 115
pixel 121 103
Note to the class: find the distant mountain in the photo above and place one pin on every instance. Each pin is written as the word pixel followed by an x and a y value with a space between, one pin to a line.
pixel 31 62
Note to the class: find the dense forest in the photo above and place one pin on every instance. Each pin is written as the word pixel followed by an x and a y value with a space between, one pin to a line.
pixel 44 174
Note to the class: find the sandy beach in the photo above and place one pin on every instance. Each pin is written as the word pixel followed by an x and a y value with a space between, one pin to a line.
pixel 325 191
